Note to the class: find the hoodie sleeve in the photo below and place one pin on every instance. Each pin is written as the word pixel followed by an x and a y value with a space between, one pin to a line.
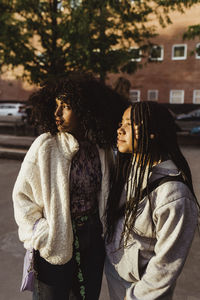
pixel 175 226
pixel 28 207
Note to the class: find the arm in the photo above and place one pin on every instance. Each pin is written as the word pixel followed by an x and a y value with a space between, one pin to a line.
pixel 175 226
pixel 28 206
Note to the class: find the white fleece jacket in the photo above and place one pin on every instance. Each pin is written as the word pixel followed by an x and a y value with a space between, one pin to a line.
pixel 41 192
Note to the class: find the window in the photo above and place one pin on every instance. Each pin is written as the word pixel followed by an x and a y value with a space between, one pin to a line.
pixel 74 3
pixel 134 95
pixel 196 96
pixel 59 5
pixel 177 96
pixel 179 52
pixel 198 51
pixel 157 53
pixel 135 54
pixel 152 95
pixel 96 50
pixel 40 58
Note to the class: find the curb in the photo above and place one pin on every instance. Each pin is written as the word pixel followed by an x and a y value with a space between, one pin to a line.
pixel 188 140
pixel 11 153
pixel 12 146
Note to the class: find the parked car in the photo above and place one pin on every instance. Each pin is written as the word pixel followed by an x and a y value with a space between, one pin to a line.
pixel 192 115
pixel 195 130
pixel 13 112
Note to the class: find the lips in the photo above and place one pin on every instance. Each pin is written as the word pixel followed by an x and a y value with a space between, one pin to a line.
pixel 59 122
pixel 120 141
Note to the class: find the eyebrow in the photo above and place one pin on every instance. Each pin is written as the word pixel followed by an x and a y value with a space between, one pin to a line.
pixel 127 119
pixel 61 101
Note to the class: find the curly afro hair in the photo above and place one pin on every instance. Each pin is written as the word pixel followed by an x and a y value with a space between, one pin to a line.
pixel 98 107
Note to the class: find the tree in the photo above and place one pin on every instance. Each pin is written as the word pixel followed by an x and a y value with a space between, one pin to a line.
pixel 193 32
pixel 52 37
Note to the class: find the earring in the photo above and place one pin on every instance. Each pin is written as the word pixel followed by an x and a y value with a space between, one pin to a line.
pixel 152 136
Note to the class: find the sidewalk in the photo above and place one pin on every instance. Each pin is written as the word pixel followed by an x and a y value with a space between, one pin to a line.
pixel 14 147
pixel 12 141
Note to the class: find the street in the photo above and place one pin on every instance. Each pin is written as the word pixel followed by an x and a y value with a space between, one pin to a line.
pixel 12 252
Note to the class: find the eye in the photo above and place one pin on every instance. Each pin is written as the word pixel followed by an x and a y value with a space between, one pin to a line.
pixel 66 106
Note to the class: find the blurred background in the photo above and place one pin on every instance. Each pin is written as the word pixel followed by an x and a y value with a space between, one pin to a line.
pixel 145 50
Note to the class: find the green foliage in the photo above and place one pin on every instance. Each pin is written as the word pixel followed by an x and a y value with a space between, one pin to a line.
pixel 192 32
pixel 88 35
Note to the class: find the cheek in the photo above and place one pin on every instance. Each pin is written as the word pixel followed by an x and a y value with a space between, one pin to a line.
pixel 130 143
pixel 67 116
pixel 129 134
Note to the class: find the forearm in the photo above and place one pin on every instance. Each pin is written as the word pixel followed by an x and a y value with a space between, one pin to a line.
pixel 26 209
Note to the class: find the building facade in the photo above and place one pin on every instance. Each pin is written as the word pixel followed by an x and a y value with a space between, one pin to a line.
pixel 172 74
pixel 169 75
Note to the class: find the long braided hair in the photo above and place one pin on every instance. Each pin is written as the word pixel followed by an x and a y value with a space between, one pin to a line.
pixel 156 141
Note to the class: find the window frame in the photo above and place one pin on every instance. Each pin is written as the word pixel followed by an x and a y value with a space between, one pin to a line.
pixel 183 96
pixel 197 56
pixel 148 93
pixel 193 98
pixel 179 57
pixel 161 58
pixel 138 93
pixel 140 53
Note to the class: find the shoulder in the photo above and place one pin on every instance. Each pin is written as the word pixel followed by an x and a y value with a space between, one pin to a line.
pixel 172 192
pixel 171 187
pixel 42 144
pixel 42 139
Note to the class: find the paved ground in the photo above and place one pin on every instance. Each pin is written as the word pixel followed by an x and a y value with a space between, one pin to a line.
pixel 11 250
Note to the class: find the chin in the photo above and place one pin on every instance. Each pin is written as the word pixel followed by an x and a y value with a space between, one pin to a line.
pixel 121 150
pixel 124 150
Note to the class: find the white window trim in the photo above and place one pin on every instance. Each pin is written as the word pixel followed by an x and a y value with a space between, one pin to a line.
pixel 183 94
pixel 180 57
pixel 197 56
pixel 194 97
pixel 138 92
pixel 96 50
pixel 140 52
pixel 162 54
pixel 148 93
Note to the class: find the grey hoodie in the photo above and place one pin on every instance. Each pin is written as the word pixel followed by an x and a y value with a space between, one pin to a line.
pixel 153 259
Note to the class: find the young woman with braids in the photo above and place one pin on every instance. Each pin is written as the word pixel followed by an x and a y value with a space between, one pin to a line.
pixel 151 210
pixel 61 190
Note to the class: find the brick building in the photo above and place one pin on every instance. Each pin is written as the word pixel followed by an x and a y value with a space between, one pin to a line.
pixel 173 74
pixel 13 89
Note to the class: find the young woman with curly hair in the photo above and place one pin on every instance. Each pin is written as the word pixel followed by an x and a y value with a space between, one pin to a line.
pixel 151 210
pixel 61 190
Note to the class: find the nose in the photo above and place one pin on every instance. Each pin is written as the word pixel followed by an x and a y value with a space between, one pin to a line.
pixel 120 130
pixel 58 111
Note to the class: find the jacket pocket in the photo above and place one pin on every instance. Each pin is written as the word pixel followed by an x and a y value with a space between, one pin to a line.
pixel 40 235
pixel 134 260
pixel 128 267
